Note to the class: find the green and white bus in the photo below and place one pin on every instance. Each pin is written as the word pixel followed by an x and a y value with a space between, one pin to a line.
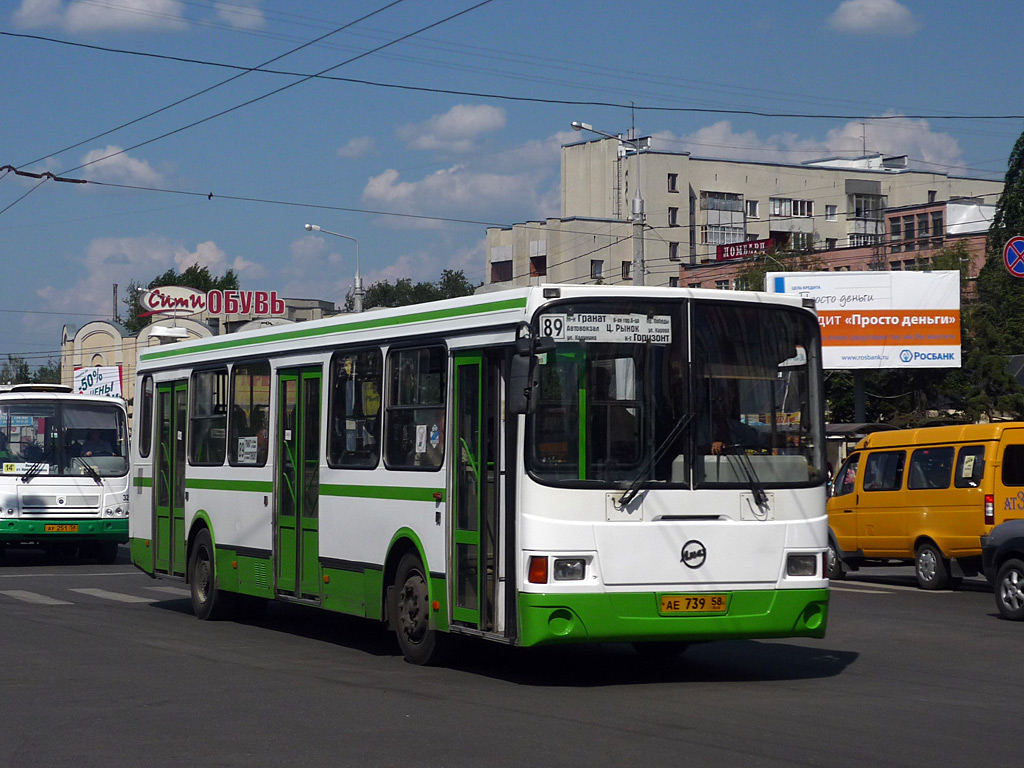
pixel 543 465
pixel 63 471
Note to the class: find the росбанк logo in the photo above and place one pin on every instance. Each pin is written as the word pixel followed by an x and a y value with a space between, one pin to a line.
pixel 906 356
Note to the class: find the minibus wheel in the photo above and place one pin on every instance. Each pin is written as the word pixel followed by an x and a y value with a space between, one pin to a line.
pixel 835 565
pixel 931 567
pixel 1010 590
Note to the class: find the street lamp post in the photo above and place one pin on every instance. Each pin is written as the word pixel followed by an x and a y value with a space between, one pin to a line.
pixel 357 286
pixel 638 203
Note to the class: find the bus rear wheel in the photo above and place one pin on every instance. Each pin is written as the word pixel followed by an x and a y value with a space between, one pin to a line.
pixel 208 602
pixel 409 610
pixel 931 567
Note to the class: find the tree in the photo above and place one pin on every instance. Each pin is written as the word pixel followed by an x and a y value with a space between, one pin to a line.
pixel 15 371
pixel 402 292
pixel 195 277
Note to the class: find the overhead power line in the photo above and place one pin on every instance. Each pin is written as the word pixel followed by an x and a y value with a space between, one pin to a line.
pixel 507 97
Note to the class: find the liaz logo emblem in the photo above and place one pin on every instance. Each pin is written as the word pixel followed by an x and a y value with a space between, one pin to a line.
pixel 694 554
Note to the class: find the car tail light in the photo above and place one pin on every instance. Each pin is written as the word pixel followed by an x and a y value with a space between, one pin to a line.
pixel 990 509
pixel 538 571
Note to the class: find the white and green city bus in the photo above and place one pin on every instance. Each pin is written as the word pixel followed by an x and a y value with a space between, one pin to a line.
pixel 63 471
pixel 542 465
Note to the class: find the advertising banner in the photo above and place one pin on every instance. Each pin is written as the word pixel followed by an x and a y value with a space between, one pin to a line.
pixel 100 380
pixel 881 319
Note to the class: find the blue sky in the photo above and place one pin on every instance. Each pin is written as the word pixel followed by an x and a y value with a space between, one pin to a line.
pixel 376 136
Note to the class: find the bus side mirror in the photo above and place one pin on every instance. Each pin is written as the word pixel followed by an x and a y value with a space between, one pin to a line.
pixel 523 384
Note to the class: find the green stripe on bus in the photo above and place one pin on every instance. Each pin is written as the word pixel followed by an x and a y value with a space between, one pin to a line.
pixel 251 486
pixel 143 482
pixel 383 492
pixel 355 325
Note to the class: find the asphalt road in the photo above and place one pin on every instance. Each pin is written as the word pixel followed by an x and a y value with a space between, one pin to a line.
pixel 103 666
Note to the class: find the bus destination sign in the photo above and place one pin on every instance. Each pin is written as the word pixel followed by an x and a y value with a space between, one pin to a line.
pixel 607 328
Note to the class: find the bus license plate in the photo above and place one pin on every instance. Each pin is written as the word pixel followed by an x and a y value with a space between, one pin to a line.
pixel 61 528
pixel 694 603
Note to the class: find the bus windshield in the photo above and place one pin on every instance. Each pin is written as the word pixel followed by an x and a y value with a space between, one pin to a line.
pixel 60 438
pixel 702 393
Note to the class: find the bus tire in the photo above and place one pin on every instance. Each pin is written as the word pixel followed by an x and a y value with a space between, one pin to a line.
pixel 409 611
pixel 835 564
pixel 1009 588
pixel 208 602
pixel 931 568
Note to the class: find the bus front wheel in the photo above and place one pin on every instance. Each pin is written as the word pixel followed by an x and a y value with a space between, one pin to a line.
pixel 931 567
pixel 409 610
pixel 208 602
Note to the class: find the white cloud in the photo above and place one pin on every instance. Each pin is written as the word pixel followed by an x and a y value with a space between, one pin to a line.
pixel 319 268
pixel 893 136
pixel 450 193
pixel 86 16
pixel 358 147
pixel 873 17
pixel 241 16
pixel 119 169
pixel 454 131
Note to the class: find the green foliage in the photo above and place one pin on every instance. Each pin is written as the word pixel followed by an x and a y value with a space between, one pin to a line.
pixel 15 370
pixel 402 292
pixel 195 277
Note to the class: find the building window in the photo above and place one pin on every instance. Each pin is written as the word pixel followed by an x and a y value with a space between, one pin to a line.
pixel 722 285
pixel 922 225
pixel 721 201
pixel 627 267
pixel 414 420
pixel 673 217
pixel 673 182
pixel 538 266
pixel 937 228
pixel 932 195
pixel 831 213
pixel 909 264
pixel 781 206
pixel 673 251
pixel 895 234
pixel 501 271
pixel 693 285
pixel 831 243
pixel 803 208
pixel 673 282
pixel 860 240
pixel 719 235
pixel 896 266
pixel 867 206
pixel 909 232
pixel 753 211
pixel 596 269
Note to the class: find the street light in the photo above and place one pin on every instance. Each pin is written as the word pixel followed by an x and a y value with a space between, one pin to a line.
pixel 638 202
pixel 357 287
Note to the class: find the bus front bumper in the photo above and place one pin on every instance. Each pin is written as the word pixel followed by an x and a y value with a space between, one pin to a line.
pixel 63 529
pixel 546 619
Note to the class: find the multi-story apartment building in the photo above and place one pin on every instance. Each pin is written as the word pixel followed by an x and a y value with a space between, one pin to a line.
pixel 699 209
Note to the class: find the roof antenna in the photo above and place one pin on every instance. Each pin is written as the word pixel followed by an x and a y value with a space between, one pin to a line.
pixel 632 122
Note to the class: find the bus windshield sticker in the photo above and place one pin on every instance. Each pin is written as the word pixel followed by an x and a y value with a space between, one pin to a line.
pixel 608 328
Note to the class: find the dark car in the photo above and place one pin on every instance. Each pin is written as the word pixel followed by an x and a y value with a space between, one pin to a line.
pixel 1002 557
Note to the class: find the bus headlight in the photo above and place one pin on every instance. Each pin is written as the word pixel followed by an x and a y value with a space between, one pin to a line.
pixel 801 565
pixel 569 569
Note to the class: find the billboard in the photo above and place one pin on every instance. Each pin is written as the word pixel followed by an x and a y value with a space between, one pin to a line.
pixel 98 380
pixel 881 319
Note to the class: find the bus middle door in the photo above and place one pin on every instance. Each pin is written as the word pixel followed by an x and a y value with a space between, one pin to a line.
pixel 169 506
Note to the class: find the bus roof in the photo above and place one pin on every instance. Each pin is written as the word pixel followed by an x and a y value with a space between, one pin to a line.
pixel 958 433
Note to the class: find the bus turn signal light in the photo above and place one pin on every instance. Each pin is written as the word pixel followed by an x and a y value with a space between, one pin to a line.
pixel 538 572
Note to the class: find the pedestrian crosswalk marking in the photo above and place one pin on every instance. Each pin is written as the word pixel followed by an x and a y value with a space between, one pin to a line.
pixel 178 591
pixel 118 596
pixel 32 597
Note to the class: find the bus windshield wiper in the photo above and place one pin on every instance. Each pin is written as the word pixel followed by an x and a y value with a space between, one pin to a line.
pixel 36 468
pixel 634 487
pixel 89 470
pixel 747 468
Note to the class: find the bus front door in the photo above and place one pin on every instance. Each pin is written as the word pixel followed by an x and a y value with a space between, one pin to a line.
pixel 475 480
pixel 298 483
pixel 169 508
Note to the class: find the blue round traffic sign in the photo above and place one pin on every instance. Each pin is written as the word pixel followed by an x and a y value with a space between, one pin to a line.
pixel 1013 256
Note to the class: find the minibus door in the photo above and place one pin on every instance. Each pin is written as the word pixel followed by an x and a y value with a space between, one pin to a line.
pixel 297 546
pixel 169 501
pixel 475 482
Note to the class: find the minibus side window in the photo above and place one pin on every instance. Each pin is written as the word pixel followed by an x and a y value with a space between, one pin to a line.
pixel 846 481
pixel 970 466
pixel 1013 465
pixel 930 468
pixel 883 471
